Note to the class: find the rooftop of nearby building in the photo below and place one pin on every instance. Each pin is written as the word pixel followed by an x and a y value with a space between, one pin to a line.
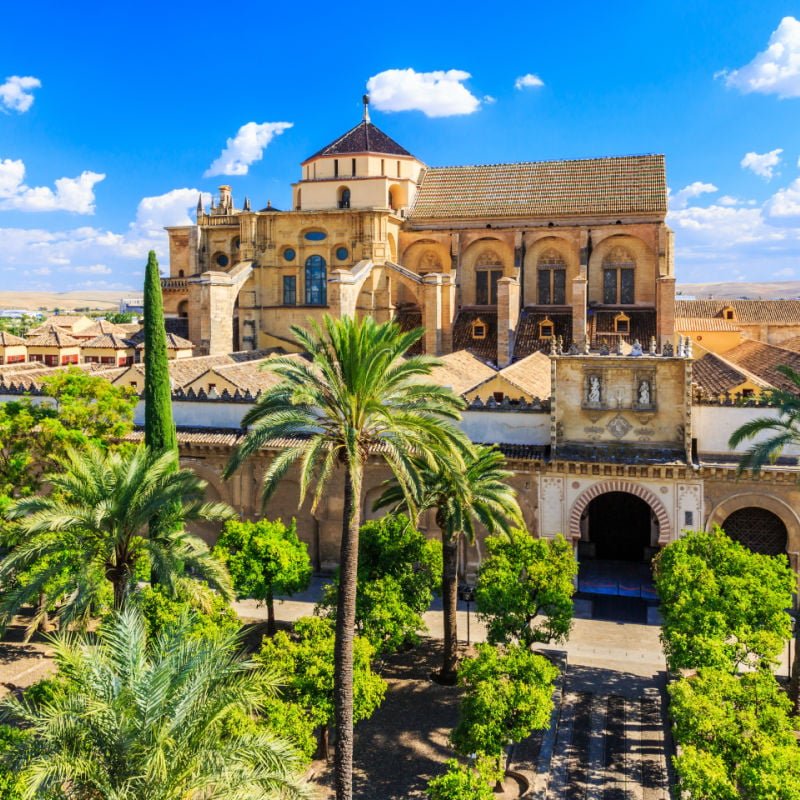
pixel 763 360
pixel 715 375
pixel 52 336
pixel 614 186
pixel 10 340
pixel 745 312
pixel 706 324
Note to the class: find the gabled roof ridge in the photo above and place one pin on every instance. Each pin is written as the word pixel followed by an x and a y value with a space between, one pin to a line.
pixel 546 161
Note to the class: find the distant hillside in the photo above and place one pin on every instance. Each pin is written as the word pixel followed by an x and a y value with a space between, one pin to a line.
pixel 68 301
pixel 736 290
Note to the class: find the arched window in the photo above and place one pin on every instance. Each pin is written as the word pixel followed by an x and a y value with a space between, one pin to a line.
pixel 488 271
pixel 757 529
pixel 316 281
pixel 394 203
pixel 299 199
pixel 618 269
pixel 344 197
pixel 551 279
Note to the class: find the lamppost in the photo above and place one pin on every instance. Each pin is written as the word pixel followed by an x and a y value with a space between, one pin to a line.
pixel 466 592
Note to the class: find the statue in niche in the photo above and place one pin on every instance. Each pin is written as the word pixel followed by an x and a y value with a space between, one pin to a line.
pixel 594 389
pixel 430 262
pixel 644 393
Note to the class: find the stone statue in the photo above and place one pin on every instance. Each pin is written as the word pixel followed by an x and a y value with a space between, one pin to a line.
pixel 594 389
pixel 652 345
pixel 644 393
pixel 636 350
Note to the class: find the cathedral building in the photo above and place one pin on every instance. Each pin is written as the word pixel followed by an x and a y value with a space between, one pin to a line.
pixel 496 259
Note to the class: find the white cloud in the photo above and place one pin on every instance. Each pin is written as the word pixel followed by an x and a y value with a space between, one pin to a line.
pixel 440 93
pixel 785 202
pixel 728 200
pixel 786 272
pixel 93 269
pixel 762 164
pixel 245 148
pixel 681 198
pixel 71 194
pixel 488 99
pixel 96 252
pixel 776 70
pixel 528 81
pixel 15 93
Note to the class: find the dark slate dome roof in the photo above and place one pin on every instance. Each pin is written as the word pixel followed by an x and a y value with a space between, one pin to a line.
pixel 363 138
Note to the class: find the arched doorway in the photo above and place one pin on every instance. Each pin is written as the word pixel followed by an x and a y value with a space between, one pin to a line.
pixel 619 536
pixel 757 529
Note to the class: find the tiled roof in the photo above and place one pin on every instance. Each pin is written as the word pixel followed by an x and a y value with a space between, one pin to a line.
pixel 747 312
pixel 530 374
pixel 174 342
pixel 8 339
pixel 613 186
pixel 52 337
pixel 408 318
pixel 363 138
pixel 99 328
pixel 716 376
pixel 461 371
pixel 705 324
pixel 791 344
pixel 108 340
pixel 526 339
pixel 486 349
pixel 763 361
pixel 642 327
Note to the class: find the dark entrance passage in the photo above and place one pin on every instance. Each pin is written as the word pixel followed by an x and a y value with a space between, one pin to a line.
pixel 614 577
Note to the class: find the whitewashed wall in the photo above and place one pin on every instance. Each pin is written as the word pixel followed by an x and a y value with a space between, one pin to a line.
pixel 712 426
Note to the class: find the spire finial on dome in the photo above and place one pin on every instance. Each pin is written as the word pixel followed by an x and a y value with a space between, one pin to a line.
pixel 365 100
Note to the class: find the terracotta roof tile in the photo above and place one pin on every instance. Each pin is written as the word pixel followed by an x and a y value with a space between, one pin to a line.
pixel 715 376
pixel 527 339
pixel 747 312
pixel 106 341
pixel 9 340
pixel 461 371
pixel 530 374
pixel 52 337
pixel 616 185
pixel 485 348
pixel 705 324
pixel 763 361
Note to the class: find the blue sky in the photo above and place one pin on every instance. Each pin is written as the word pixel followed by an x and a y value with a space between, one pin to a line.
pixel 113 121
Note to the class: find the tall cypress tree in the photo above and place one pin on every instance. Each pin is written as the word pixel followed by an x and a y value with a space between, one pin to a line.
pixel 159 427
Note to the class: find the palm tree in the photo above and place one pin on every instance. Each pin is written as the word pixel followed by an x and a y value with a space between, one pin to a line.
pixel 164 719
pixel 358 397
pixel 784 430
pixel 92 526
pixel 462 497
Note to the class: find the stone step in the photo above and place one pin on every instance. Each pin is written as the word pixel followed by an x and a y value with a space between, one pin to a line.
pixel 557 781
pixel 655 777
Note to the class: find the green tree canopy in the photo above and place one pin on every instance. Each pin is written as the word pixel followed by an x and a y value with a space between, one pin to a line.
pixel 508 694
pixel 736 735
pixel 399 570
pixel 33 435
pixel 307 658
pixel 148 719
pixel 525 588
pixel 92 527
pixel 465 496
pixel 265 559
pixel 198 610
pixel 722 605
pixel 465 781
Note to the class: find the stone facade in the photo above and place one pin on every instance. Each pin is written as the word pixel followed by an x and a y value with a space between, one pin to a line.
pixel 374 231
